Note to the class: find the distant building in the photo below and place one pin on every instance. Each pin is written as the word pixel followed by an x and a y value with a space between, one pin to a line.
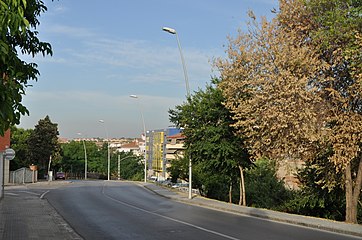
pixel 175 149
pixel 62 140
pixel 161 149
pixel 155 152
pixel 136 147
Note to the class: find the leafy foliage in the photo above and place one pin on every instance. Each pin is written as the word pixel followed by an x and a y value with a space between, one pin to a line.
pixel 43 144
pixel 316 198
pixel 19 142
pixel 294 83
pixel 214 184
pixel 263 188
pixel 73 161
pixel 131 167
pixel 265 84
pixel 210 140
pixel 179 169
pixel 18 21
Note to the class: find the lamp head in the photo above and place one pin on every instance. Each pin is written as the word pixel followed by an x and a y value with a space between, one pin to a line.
pixel 169 30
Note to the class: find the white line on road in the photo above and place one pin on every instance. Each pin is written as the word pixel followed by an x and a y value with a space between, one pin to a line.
pixel 42 196
pixel 12 194
pixel 32 193
pixel 169 218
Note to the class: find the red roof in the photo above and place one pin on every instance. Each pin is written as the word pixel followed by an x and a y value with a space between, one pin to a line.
pixel 130 145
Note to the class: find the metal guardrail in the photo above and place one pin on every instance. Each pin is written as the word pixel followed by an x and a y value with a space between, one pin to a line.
pixel 186 189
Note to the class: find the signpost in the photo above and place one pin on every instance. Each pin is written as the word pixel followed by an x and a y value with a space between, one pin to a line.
pixel 8 154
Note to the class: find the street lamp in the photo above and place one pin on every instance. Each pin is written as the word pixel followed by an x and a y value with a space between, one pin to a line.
pixel 109 155
pixel 144 131
pixel 173 31
pixel 85 159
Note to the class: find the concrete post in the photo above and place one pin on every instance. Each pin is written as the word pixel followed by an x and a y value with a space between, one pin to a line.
pixel 6 171
pixel 1 175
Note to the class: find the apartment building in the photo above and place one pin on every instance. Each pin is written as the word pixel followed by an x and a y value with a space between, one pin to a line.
pixel 163 146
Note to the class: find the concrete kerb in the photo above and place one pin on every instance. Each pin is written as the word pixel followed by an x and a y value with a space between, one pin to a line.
pixel 38 184
pixel 305 221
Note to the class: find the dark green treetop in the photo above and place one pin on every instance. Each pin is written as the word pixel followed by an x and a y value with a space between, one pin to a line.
pixel 18 35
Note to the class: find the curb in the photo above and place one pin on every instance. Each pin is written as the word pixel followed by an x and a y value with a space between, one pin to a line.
pixel 304 221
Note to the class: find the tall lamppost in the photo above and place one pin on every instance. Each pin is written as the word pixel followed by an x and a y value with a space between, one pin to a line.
pixel 109 155
pixel 144 132
pixel 85 159
pixel 173 31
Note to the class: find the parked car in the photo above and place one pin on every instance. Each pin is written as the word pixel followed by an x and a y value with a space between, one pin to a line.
pixel 60 175
pixel 167 183
pixel 153 178
pixel 180 185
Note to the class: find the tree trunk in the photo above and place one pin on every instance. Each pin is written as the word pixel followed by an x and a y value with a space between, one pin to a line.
pixel 352 192
pixel 242 200
pixel 230 192
pixel 348 185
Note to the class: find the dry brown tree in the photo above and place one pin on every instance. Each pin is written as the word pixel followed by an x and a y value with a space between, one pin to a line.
pixel 287 97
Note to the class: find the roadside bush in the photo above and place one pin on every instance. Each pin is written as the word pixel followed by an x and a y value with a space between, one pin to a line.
pixel 211 184
pixel 321 192
pixel 263 189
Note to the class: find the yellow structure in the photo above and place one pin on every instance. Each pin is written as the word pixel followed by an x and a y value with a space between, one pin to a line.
pixel 157 151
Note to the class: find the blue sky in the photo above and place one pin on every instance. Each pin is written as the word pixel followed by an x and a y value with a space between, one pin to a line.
pixel 105 51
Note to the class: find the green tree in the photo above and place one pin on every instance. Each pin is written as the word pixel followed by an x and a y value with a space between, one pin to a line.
pixel 334 31
pixel 318 196
pixel 179 168
pixel 18 23
pixel 210 140
pixel 264 189
pixel 19 142
pixel 43 144
pixel 72 160
pixel 215 184
pixel 339 42
pixel 101 163
pixel 131 167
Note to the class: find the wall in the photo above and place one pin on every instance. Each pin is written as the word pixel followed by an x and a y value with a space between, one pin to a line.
pixel 4 164
pixel 5 141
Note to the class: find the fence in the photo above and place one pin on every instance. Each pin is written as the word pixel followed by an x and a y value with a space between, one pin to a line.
pixel 23 175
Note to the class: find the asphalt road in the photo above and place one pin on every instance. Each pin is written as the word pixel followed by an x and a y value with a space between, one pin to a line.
pixel 124 210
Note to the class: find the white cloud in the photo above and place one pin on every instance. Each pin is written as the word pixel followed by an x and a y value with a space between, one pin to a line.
pixel 69 31
pixel 138 60
pixel 76 109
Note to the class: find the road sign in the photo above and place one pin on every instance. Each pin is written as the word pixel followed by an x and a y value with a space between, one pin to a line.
pixel 9 154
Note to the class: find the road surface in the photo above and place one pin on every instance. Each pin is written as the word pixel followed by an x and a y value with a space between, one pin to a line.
pixel 125 210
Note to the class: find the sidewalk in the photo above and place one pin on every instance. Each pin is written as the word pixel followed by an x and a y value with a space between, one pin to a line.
pixel 312 222
pixel 27 216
